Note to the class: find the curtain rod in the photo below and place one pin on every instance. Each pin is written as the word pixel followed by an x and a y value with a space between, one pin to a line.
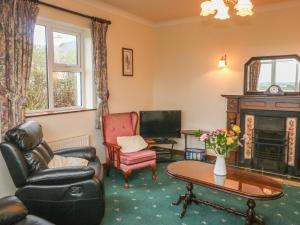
pixel 72 12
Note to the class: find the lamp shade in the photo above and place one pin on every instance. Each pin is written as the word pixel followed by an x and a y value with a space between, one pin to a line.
pixel 207 8
pixel 244 8
pixel 222 13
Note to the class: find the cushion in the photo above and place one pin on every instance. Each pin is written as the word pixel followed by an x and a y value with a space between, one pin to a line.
pixel 118 125
pixel 12 210
pixel 137 157
pixel 131 143
pixel 26 136
pixel 60 162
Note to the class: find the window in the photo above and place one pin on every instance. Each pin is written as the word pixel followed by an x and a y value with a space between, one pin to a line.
pixel 57 75
pixel 282 72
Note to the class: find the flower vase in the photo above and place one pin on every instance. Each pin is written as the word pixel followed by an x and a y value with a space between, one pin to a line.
pixel 220 166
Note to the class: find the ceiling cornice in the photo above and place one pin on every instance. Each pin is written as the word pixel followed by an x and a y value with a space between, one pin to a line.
pixel 118 12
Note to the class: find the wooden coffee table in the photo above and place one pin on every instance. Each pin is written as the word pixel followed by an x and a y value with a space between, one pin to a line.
pixel 237 182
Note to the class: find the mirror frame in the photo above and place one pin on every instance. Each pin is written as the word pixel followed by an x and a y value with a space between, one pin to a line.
pixel 294 56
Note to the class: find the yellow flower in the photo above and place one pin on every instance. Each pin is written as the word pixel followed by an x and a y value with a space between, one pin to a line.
pixel 229 141
pixel 231 133
pixel 224 131
pixel 236 129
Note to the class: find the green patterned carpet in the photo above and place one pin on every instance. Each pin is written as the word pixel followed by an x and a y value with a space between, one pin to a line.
pixel 148 202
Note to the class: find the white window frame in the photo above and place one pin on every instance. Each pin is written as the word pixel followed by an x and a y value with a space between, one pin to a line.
pixel 52 26
pixel 273 72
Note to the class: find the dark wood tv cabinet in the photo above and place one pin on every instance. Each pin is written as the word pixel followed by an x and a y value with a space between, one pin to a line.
pixel 163 154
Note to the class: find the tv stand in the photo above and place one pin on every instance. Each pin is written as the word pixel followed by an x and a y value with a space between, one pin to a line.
pixel 163 153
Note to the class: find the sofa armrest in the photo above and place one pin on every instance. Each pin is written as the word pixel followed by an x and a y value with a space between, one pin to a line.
pixel 12 210
pixel 61 176
pixel 88 153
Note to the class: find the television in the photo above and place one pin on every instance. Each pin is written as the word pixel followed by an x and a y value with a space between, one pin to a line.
pixel 160 124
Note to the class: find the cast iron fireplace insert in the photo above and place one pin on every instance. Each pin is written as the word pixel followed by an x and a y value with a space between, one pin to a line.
pixel 270 143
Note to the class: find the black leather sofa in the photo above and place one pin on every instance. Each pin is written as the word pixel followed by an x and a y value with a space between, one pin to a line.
pixel 13 212
pixel 66 196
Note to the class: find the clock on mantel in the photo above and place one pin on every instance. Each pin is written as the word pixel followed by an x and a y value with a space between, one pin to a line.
pixel 274 90
pixel 272 76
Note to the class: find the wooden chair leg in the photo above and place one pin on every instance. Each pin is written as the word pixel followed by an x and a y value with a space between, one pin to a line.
pixel 153 172
pixel 126 175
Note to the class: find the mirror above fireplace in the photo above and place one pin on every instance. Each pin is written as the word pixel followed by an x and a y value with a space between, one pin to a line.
pixel 263 72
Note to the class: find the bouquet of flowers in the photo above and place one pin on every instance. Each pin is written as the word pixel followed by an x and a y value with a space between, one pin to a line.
pixel 222 141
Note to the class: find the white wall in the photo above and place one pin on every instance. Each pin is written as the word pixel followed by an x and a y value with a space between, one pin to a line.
pixel 127 93
pixel 186 57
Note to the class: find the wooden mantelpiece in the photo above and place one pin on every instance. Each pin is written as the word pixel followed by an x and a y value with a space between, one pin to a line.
pixel 236 103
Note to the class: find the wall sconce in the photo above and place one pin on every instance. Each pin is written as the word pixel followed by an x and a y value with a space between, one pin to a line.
pixel 223 62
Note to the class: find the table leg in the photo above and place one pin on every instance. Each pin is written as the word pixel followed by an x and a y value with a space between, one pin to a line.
pixel 187 199
pixel 180 199
pixel 251 217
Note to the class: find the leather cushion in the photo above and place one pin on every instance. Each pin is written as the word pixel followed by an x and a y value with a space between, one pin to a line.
pixel 35 161
pixel 12 210
pixel 26 136
pixel 137 157
pixel 33 220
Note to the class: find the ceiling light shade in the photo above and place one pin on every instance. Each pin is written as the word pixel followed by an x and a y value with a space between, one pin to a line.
pixel 207 8
pixel 244 12
pixel 218 4
pixel 221 8
pixel 244 8
pixel 222 14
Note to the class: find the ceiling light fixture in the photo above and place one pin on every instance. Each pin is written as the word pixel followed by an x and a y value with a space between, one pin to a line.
pixel 221 8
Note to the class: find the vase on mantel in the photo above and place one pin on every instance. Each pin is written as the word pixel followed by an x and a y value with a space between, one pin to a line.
pixel 220 166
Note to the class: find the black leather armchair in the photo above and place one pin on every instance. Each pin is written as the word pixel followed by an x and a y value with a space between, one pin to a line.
pixel 13 212
pixel 64 196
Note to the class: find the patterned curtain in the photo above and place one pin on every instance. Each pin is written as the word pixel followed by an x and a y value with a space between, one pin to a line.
pixel 254 76
pixel 17 22
pixel 99 31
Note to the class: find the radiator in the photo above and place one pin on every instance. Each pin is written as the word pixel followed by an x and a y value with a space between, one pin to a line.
pixel 79 141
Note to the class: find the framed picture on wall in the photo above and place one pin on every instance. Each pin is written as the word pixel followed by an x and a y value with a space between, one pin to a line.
pixel 127 58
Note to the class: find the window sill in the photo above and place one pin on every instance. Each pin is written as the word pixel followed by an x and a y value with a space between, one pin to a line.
pixel 59 112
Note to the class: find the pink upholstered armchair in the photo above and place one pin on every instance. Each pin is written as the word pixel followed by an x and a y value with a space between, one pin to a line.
pixel 125 124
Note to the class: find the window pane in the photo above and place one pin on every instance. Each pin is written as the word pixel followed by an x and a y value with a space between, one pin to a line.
pixel 286 74
pixel 265 77
pixel 37 89
pixel 65 48
pixel 67 89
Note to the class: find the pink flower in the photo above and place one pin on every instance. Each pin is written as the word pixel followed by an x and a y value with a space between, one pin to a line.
pixel 203 137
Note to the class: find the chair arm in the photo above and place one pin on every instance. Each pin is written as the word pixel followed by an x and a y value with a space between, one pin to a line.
pixel 150 141
pixel 113 153
pixel 110 145
pixel 12 210
pixel 88 153
pixel 61 176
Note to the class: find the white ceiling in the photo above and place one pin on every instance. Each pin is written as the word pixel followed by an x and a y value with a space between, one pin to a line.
pixel 164 10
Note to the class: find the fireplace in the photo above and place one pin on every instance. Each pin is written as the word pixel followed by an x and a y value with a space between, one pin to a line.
pixel 270 144
pixel 272 125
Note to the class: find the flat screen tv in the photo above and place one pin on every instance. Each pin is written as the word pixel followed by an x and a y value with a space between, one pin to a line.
pixel 160 124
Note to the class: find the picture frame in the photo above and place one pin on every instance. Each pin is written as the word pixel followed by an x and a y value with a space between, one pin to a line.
pixel 127 61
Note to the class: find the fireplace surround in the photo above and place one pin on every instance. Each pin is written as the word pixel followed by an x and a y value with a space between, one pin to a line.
pixel 272 125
